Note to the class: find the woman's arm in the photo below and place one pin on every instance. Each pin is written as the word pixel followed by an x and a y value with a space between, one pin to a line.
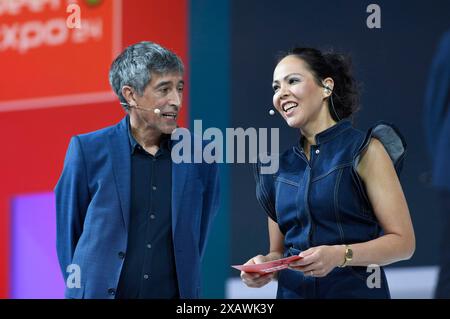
pixel 275 252
pixel 276 239
pixel 391 210
pixel 389 204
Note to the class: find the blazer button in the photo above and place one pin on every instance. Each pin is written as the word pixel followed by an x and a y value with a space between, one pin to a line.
pixel 111 291
pixel 121 255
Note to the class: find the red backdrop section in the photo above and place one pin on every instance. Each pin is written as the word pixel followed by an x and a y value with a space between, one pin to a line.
pixel 39 43
pixel 33 142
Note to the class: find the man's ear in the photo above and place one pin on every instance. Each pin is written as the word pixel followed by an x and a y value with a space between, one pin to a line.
pixel 128 94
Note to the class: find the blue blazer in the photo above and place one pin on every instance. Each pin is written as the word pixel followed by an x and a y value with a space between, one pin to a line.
pixel 93 213
pixel 437 114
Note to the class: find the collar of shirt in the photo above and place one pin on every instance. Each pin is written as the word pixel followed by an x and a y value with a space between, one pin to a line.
pixel 329 134
pixel 164 145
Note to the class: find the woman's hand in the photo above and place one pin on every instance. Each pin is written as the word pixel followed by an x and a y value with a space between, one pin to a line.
pixel 319 261
pixel 255 280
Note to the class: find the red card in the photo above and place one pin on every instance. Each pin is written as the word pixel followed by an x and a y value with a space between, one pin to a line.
pixel 268 267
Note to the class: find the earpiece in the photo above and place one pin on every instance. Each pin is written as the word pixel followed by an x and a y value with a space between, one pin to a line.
pixel 327 89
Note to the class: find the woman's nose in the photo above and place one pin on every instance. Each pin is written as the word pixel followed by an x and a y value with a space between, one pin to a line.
pixel 284 92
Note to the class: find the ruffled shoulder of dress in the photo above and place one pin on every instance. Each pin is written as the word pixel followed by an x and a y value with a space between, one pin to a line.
pixel 391 138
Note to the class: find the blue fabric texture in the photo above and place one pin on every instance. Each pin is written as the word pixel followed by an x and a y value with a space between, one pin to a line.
pixel 93 213
pixel 322 201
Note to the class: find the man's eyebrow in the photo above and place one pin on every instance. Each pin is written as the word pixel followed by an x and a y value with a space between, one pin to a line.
pixel 163 83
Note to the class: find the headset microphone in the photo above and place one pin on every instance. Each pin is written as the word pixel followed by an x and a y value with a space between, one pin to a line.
pixel 156 110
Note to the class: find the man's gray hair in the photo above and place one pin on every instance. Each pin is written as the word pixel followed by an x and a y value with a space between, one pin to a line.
pixel 136 64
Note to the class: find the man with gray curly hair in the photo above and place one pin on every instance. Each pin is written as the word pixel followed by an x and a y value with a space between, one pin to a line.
pixel 129 218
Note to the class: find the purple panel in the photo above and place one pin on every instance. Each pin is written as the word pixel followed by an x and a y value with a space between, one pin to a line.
pixel 35 271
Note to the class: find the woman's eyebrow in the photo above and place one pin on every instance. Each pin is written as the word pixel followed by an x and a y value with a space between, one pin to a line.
pixel 284 78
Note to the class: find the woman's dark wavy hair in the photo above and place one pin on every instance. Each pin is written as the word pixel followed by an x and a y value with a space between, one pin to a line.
pixel 338 67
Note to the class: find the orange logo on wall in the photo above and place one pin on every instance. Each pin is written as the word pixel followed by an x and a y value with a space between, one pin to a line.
pixel 45 61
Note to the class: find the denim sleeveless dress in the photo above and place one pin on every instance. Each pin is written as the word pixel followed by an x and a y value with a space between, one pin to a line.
pixel 323 202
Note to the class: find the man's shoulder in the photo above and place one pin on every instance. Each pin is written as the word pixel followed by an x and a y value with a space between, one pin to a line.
pixel 98 136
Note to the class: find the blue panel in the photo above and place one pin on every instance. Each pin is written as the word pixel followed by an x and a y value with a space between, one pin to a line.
pixel 209 101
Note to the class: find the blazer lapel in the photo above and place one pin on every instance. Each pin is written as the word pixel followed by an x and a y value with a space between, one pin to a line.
pixel 119 147
pixel 179 172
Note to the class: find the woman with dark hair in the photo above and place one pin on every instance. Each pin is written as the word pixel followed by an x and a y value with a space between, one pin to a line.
pixel 336 199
